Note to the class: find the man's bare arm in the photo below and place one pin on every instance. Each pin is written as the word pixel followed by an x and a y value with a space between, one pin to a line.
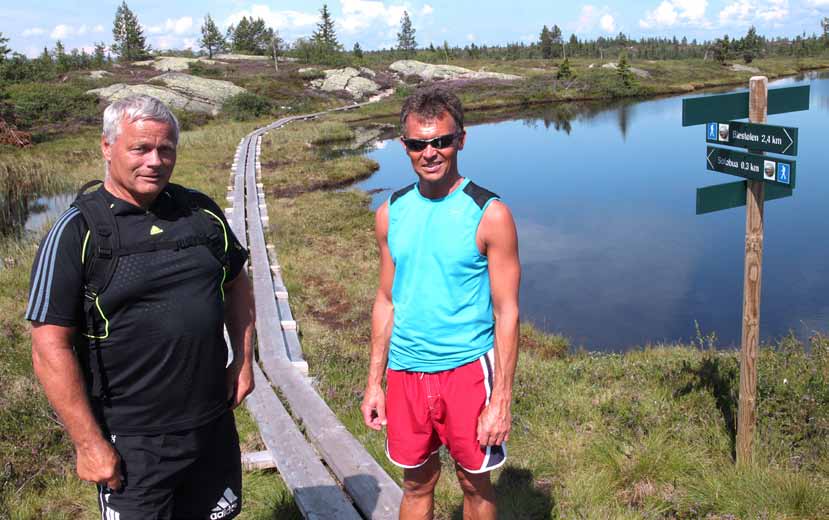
pixel 499 238
pixel 58 371
pixel 240 318
pixel 382 320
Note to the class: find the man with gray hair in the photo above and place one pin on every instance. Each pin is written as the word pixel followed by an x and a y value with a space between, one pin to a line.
pixel 129 293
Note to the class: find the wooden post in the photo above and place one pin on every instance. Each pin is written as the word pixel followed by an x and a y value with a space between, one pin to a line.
pixel 752 276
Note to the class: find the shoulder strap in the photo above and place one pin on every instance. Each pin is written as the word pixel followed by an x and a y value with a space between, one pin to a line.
pixel 105 241
pixel 205 223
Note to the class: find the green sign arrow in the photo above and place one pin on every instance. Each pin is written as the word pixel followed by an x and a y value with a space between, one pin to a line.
pixel 733 195
pixel 756 137
pixel 724 107
pixel 751 166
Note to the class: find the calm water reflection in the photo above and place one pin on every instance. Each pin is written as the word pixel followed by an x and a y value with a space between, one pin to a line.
pixel 613 254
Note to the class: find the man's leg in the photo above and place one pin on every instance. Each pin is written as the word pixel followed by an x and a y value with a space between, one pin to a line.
pixel 478 495
pixel 419 490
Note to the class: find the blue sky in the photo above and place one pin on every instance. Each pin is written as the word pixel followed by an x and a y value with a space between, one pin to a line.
pixel 374 23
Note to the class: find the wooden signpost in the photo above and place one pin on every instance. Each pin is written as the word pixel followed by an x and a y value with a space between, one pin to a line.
pixel 768 178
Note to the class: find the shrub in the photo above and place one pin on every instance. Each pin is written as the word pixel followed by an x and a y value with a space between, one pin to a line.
pixel 200 69
pixel 311 74
pixel 246 105
pixel 190 120
pixel 37 104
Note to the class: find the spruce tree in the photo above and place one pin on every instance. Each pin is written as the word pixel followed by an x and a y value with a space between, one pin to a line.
pixel 99 54
pixel 623 71
pixel 325 37
pixel 211 37
pixel 357 51
pixel 555 37
pixel 129 42
pixel 564 71
pixel 406 42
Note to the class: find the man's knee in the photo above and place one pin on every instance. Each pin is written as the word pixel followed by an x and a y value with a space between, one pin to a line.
pixel 421 481
pixel 474 484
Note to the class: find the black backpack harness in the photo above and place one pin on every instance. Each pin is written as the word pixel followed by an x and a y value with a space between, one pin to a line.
pixel 106 249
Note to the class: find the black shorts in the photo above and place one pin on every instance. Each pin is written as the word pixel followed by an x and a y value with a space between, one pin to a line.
pixel 196 474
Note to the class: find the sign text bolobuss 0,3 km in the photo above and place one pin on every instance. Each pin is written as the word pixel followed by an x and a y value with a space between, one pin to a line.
pixel 768 178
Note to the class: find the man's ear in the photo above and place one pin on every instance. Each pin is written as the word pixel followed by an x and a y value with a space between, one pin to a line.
pixel 106 148
pixel 461 140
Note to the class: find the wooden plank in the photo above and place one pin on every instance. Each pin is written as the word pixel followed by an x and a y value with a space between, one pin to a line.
pixel 256 460
pixel 376 495
pixel 315 491
pixel 722 107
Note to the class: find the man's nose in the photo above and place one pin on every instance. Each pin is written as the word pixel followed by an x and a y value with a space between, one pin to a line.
pixel 153 158
pixel 430 151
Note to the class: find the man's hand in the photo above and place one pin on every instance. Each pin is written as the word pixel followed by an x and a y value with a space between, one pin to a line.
pixel 239 383
pixel 99 462
pixel 374 407
pixel 494 424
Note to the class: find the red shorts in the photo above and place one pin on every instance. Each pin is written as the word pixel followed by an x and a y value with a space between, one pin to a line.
pixel 425 411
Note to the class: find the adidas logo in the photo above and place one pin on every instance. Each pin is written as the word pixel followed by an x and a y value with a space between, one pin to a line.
pixel 226 505
pixel 155 230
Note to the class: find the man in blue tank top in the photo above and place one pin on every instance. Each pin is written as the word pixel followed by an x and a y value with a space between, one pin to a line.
pixel 445 318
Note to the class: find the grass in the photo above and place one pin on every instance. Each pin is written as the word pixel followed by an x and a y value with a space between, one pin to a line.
pixel 647 434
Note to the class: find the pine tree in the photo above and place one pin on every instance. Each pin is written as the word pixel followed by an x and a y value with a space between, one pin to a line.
pixel 357 51
pixel 129 42
pixel 406 42
pixel 750 45
pixel 722 47
pixel 251 36
pixel 4 49
pixel 325 37
pixel 98 55
pixel 825 25
pixel 211 37
pixel 61 58
pixel 555 38
pixel 545 41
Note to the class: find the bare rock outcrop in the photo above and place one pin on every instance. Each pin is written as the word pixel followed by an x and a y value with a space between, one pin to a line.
pixel 642 73
pixel 737 67
pixel 177 90
pixel 174 64
pixel 432 72
pixel 348 80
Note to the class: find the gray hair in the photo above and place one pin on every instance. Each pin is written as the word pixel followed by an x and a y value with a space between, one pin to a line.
pixel 136 108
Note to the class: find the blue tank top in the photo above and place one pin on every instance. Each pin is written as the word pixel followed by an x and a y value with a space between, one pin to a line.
pixel 441 295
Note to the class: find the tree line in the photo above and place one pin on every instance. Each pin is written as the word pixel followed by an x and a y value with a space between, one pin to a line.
pixel 253 36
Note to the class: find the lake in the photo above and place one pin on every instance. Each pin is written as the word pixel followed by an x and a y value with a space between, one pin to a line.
pixel 612 253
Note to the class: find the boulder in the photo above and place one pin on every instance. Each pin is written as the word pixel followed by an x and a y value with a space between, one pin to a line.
pixel 171 63
pixel 642 73
pixel 431 72
pixel 99 74
pixel 177 90
pixel 348 80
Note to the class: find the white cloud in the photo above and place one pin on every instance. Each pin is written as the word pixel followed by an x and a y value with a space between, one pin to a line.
pixel 607 23
pixel 34 31
pixel 591 17
pixel 747 12
pixel 427 9
pixel 818 3
pixel 673 12
pixel 61 31
pixel 471 37
pixel 179 26
pixel 277 19
pixel 82 29
pixel 98 28
pixel 362 14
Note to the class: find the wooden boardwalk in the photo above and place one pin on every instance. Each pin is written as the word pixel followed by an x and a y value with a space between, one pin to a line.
pixel 328 471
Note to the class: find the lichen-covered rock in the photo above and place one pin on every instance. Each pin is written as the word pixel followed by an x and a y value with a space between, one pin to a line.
pixel 251 57
pixel 642 73
pixel 348 80
pixel 99 74
pixel 174 64
pixel 432 72
pixel 177 90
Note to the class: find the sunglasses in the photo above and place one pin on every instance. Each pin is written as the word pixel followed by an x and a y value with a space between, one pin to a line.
pixel 440 142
